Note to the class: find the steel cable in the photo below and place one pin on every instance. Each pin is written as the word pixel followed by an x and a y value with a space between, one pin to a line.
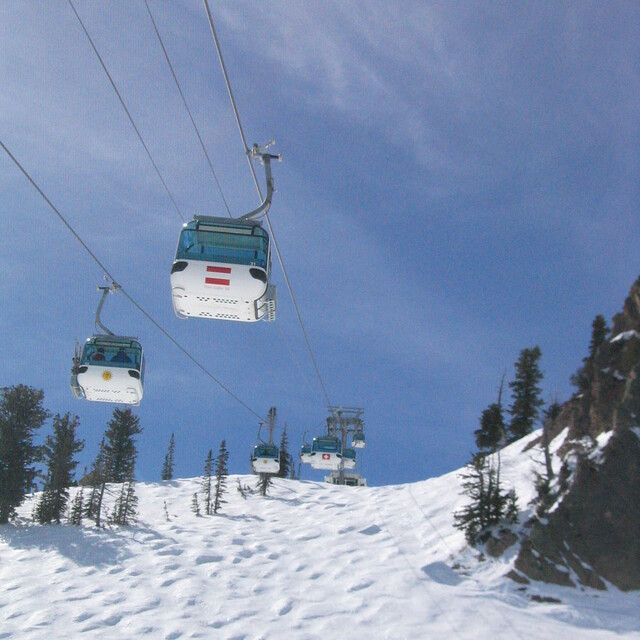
pixel 193 122
pixel 124 106
pixel 122 289
pixel 257 184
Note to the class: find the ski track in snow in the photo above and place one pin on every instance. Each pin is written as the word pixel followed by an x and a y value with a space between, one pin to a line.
pixel 308 561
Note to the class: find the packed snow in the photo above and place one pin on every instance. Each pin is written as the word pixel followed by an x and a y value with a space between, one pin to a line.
pixel 625 335
pixel 310 560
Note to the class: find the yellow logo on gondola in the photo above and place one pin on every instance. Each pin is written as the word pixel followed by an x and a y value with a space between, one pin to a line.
pixel 106 375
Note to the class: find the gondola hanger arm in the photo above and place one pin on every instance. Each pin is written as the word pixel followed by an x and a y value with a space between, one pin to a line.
pixel 260 153
pixel 112 288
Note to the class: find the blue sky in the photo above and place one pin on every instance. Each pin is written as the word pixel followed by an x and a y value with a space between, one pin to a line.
pixel 460 181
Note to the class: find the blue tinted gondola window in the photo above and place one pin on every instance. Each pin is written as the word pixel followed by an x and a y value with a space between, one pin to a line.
pixel 265 451
pixel 326 444
pixel 125 355
pixel 231 247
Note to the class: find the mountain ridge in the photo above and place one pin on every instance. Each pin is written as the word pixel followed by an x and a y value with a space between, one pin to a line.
pixel 590 536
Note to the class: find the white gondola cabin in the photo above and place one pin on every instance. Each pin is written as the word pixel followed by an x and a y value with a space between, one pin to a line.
pixel 221 271
pixel 326 453
pixel 305 453
pixel 265 458
pixel 110 369
pixel 222 266
pixel 349 458
pixel 358 440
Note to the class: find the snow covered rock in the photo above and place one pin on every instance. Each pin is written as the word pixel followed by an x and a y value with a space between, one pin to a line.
pixel 591 534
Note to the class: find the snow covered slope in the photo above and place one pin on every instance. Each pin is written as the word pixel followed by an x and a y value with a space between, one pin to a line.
pixel 309 561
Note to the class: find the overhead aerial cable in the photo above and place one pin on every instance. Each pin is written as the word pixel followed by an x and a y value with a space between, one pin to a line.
pixel 124 292
pixel 124 106
pixel 257 184
pixel 193 122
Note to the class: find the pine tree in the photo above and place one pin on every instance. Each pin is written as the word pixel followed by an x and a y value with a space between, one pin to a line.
pixel 167 467
pixel 492 429
pixel 206 483
pixel 120 448
pixel 599 332
pixel 244 490
pixel 490 505
pixel 125 509
pixel 195 505
pixel 543 480
pixel 583 378
pixel 120 459
pixel 285 457
pixel 77 510
pixel 96 479
pixel 58 452
pixel 21 415
pixel 264 482
pixel 525 394
pixel 221 477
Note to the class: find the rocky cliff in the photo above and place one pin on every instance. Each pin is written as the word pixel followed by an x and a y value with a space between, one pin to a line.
pixel 590 533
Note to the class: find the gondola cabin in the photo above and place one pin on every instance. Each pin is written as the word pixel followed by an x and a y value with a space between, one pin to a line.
pixel 222 271
pixel 358 440
pixel 110 369
pixel 326 453
pixel 349 459
pixel 305 453
pixel 265 458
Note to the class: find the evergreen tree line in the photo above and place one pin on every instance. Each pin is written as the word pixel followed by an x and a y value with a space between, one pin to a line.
pixel 287 467
pixel 490 505
pixel 213 483
pixel 214 479
pixel 22 414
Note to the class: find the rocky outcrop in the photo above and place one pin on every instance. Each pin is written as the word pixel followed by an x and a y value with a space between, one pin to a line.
pixel 592 532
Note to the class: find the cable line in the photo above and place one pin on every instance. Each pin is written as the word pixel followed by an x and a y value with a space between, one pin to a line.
pixel 124 106
pixel 295 306
pixel 193 122
pixel 257 184
pixel 124 292
pixel 233 101
pixel 62 218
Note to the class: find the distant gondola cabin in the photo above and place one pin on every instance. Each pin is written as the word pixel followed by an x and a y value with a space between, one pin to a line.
pixel 305 453
pixel 265 459
pixel 349 459
pixel 358 440
pixel 326 453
